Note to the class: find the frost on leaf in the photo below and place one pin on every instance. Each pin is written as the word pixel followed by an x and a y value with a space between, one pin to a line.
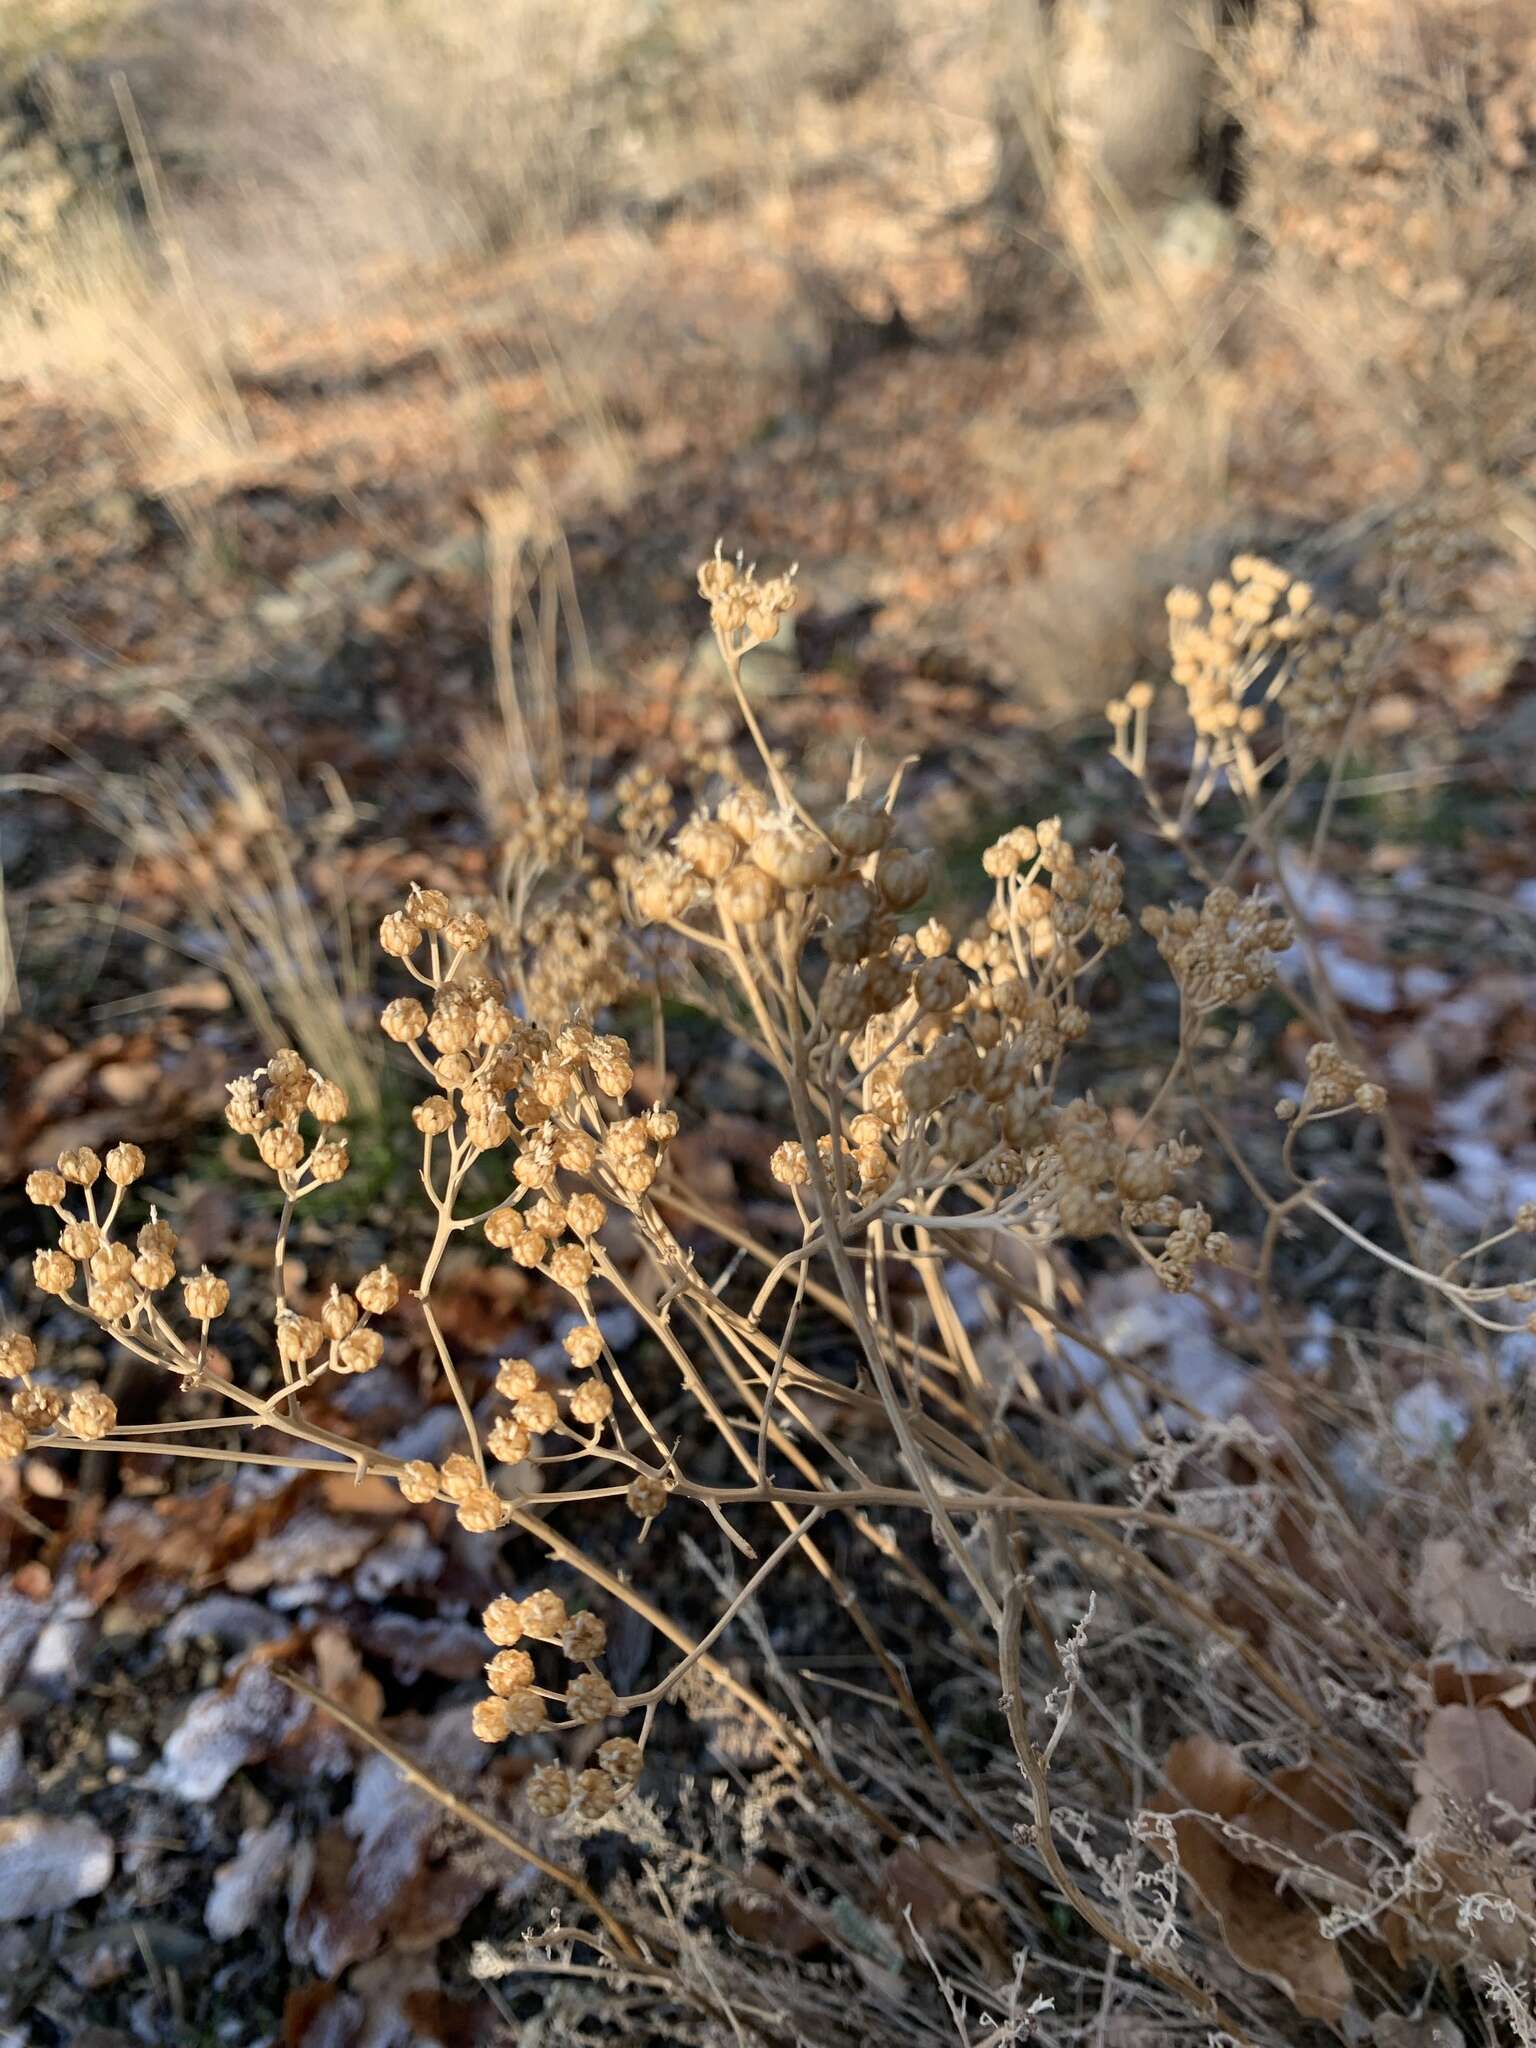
pixel 47 1863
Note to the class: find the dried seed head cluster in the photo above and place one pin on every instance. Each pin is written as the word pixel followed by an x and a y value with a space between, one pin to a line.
pixel 1225 950
pixel 1334 1083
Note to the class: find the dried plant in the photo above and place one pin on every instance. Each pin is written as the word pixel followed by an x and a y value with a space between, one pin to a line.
pixel 1083 1821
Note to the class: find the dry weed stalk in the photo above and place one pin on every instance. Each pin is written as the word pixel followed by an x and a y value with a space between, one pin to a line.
pixel 929 1131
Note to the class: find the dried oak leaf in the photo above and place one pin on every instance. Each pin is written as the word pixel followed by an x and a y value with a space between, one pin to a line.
pixel 1462 1599
pixel 1477 1771
pixel 764 1911
pixel 1272 1933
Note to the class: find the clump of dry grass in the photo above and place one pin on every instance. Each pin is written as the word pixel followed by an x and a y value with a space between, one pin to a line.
pixel 1227 1735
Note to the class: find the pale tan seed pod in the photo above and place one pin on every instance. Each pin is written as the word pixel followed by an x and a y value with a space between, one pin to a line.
pixel 78 1240
pixel 742 812
pixel 13 1439
pixel 125 1164
pixel 154 1270
pixel 646 1497
pixel 286 1068
pixel 622 1758
pixel 859 829
pixel 596 1795
pixel 378 1291
pixel 707 846
pixel 515 1377
pixel 902 878
pixel 663 888
pixel 467 933
pixel 492 1719
pixel 589 1697
pixel 458 1476
pixel 482 1510
pixel 80 1166
pixel 548 1216
pixel 793 856
pixel 110 1301
pixel 404 1020
pixel 339 1316
pixel 91 1414
pixel 46 1188
pixel 327 1100
pixel 586 1214
pixel 537 1411
pixel 433 1116
pixel 661 1125
pixel 549 1791
pixel 543 1616
pixel 529 1248
pixel 298 1337
pixel 503 1621
pixel 789 1165
pixel 584 1345
pixel 584 1637
pixel 399 935
pixel 526 1713
pixel 940 985
pixel 591 1404
pixel 509 1671
pixel 748 896
pixel 361 1352
pixel 245 1113
pixel 451 1026
pixel 329 1161
pixel 508 1441
pixel 503 1227
pixel 280 1148
pixel 206 1296
pixel 429 907
pixel 53 1271
pixel 418 1481
pixel 18 1355
pixel 576 1151
pixel 570 1265
pixel 37 1408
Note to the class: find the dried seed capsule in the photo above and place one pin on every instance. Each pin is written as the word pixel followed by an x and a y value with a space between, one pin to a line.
pixel 286 1068
pixel 589 1697
pixel 125 1165
pixel 378 1291
pixel 901 877
pixel 18 1355
pixel 46 1188
pixel 418 1481
pixel 591 1404
pixel 503 1227
pixel 509 1671
pixel 707 846
pixel 429 907
pixel 622 1758
pixel 468 932
pixel 298 1337
pixel 508 1441
pixel 339 1316
pixel 79 1239
pixel 647 1496
pixel 327 1101
pixel 81 1166
pixel 586 1214
pixel 503 1621
pixel 526 1713
pixel 13 1439
pixel 515 1377
pixel 596 1794
pixel 54 1271
pixel 329 1161
pixel 492 1719
pixel 859 829
pixel 584 1638
pixel 404 1020
pixel 360 1352
pixel 91 1413
pixel 399 935
pixel 37 1408
pixel 537 1411
pixel 459 1476
pixel 482 1510
pixel 748 896
pixel 584 1345
pixel 549 1791
pixel 793 856
pixel 280 1148
pixel 433 1116
pixel 206 1296
pixel 570 1265
pixel 154 1270
pixel 543 1616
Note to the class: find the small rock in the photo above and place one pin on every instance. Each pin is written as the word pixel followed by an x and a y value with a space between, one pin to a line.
pixel 48 1863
